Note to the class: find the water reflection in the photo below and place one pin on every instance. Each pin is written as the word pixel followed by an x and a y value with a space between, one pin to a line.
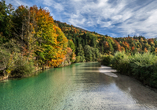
pixel 136 90
pixel 117 89
pixel 79 86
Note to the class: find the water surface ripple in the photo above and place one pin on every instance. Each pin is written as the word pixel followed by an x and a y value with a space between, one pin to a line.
pixel 81 86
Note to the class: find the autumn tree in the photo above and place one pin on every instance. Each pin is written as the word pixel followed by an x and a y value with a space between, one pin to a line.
pixel 117 46
pixel 106 47
pixel 155 51
pixel 25 32
pixel 71 45
pixel 126 45
pixel 145 49
pixel 54 41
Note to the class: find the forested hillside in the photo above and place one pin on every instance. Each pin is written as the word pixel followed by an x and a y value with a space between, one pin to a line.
pixel 107 44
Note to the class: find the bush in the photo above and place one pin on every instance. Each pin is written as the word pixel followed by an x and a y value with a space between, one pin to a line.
pixel 106 60
pixel 124 65
pixel 141 66
pixel 153 81
pixel 78 59
pixel 121 62
pixel 116 59
pixel 23 68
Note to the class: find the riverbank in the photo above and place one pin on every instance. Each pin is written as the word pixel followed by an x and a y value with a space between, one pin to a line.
pixel 109 71
pixel 3 78
pixel 140 66
pixel 35 72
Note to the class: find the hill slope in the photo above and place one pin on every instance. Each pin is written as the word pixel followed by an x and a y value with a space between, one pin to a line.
pixel 107 44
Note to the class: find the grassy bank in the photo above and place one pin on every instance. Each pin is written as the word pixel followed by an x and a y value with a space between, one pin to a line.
pixel 141 66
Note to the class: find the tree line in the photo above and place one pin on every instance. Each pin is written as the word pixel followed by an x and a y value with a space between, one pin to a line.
pixel 30 39
pixel 106 44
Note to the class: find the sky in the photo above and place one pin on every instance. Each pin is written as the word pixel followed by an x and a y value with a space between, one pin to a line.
pixel 116 18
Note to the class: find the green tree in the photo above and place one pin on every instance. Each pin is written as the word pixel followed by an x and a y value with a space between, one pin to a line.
pixel 6 23
pixel 88 53
pixel 80 52
pixel 71 45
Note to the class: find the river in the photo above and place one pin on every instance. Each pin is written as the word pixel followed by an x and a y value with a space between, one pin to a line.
pixel 81 86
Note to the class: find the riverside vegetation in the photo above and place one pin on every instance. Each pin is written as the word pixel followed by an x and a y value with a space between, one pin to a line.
pixel 141 66
pixel 30 39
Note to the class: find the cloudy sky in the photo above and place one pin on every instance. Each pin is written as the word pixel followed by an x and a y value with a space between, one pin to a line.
pixel 117 18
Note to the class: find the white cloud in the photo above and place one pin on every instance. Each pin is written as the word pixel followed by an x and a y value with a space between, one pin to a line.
pixel 47 8
pixel 77 19
pixel 52 3
pixel 58 6
pixel 120 16
pixel 126 17
pixel 16 3
pixel 142 21
pixel 48 2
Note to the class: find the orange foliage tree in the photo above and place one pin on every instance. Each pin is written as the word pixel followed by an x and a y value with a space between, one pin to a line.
pixel 106 47
pixel 126 45
pixel 117 46
pixel 53 41
pixel 156 50
pixel 132 48
pixel 145 49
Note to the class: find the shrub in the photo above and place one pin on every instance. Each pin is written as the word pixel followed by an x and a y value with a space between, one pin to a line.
pixel 116 59
pixel 153 81
pixel 23 68
pixel 141 66
pixel 124 65
pixel 106 60
pixel 77 59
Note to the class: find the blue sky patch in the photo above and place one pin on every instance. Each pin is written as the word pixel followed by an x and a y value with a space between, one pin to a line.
pixel 116 18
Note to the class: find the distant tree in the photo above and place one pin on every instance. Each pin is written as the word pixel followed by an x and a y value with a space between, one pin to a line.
pixel 132 48
pixel 80 52
pixel 116 46
pixel 71 45
pixel 145 49
pixel 156 51
pixel 111 49
pixel 88 53
pixel 106 47
pixel 93 42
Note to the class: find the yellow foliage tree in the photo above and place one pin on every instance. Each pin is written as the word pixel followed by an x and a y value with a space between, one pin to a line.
pixel 53 39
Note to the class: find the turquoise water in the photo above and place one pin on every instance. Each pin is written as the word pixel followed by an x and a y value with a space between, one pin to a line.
pixel 79 86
